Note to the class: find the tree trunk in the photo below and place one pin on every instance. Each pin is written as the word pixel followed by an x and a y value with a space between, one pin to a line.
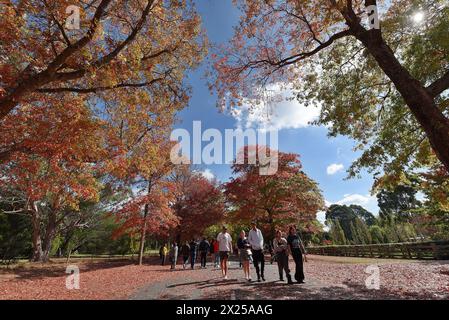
pixel 36 237
pixel 143 231
pixel 142 235
pixel 419 100
pixel 65 245
pixel 49 237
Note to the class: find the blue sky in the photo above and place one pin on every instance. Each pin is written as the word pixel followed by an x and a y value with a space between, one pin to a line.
pixel 324 159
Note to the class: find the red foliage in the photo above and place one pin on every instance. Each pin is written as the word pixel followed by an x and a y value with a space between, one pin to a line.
pixel 288 196
pixel 199 203
pixel 160 220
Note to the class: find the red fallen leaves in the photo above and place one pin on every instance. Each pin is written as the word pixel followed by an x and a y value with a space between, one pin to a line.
pixel 98 280
pixel 423 280
pixel 120 279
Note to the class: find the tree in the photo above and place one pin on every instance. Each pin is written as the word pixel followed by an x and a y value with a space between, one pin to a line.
pixel 89 223
pixel 400 202
pixel 15 235
pixel 57 173
pixel 396 231
pixel 287 196
pixel 125 55
pixel 146 213
pixel 199 203
pixel 108 70
pixel 377 234
pixel 348 217
pixel 383 86
pixel 336 232
pixel 364 215
pixel 362 231
pixel 148 208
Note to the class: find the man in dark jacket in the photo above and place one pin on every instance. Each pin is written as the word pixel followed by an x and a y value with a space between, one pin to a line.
pixel 193 247
pixel 204 249
pixel 185 252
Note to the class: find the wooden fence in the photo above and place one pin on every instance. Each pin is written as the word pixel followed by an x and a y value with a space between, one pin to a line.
pixel 438 250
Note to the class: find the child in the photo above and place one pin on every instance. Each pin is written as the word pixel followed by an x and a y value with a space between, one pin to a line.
pixel 164 254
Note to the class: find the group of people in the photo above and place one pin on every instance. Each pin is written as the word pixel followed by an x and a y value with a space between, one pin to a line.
pixel 250 250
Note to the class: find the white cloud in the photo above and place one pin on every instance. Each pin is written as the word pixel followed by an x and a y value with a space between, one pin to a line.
pixel 367 201
pixel 356 198
pixel 277 112
pixel 334 168
pixel 208 174
pixel 321 216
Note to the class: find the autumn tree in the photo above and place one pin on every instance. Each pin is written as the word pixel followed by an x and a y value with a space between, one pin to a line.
pixel 56 173
pixel 385 86
pixel 124 54
pixel 287 196
pixel 123 70
pixel 199 203
pixel 144 168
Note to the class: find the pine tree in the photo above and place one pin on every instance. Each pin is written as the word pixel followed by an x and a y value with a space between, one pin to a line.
pixel 337 233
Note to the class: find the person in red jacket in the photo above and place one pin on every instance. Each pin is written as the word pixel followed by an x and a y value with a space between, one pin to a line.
pixel 216 253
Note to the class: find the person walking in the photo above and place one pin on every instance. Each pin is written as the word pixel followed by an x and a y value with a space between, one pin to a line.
pixel 297 250
pixel 255 239
pixel 211 250
pixel 173 255
pixel 280 248
pixel 193 249
pixel 225 247
pixel 245 254
pixel 185 252
pixel 164 254
pixel 204 248
pixel 216 254
pixel 161 252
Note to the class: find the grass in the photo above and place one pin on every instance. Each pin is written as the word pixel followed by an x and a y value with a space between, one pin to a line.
pixel 23 263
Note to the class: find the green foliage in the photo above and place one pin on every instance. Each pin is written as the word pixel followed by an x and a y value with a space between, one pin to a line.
pixel 351 219
pixel 400 202
pixel 377 234
pixel 360 232
pixel 336 233
pixel 15 236
pixel 359 101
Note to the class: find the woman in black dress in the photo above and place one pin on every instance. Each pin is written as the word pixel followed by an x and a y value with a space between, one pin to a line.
pixel 245 254
pixel 297 250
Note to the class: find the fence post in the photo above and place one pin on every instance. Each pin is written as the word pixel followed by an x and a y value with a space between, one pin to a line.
pixel 435 253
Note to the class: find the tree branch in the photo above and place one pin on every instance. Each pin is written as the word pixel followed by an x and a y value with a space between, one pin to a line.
pixel 97 89
pixel 107 58
pixel 31 83
pixel 439 85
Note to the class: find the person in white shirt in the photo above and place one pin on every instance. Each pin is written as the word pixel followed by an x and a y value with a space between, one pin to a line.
pixel 255 239
pixel 224 247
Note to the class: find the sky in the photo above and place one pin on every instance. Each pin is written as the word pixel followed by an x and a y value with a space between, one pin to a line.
pixel 324 159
